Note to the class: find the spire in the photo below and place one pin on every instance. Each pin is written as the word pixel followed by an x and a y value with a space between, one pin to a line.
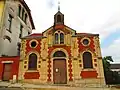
pixel 58 5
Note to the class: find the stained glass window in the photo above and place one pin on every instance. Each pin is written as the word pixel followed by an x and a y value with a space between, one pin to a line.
pixel 87 60
pixel 32 62
pixel 85 42
pixel 33 44
pixel 61 38
pixel 56 38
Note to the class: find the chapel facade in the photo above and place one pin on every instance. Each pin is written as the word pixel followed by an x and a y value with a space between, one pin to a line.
pixel 59 55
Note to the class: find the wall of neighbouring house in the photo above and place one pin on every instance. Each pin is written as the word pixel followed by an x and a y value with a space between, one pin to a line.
pixel 14 61
pixel 12 8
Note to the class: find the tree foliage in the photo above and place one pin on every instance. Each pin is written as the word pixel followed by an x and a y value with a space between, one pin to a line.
pixel 111 77
pixel 106 62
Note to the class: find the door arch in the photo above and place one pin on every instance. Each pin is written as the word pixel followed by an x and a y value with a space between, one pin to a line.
pixel 59 54
pixel 59 68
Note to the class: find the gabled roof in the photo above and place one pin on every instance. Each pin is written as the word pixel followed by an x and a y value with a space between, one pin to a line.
pixel 54 26
pixel 34 35
pixel 47 29
pixel 59 13
pixel 69 28
pixel 29 12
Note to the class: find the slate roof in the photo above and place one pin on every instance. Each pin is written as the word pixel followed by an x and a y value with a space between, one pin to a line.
pixel 34 35
pixel 115 66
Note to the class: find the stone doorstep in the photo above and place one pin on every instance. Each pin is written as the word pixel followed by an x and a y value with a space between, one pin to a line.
pixel 43 86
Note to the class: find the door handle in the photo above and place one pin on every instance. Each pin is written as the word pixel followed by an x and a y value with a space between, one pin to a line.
pixel 56 70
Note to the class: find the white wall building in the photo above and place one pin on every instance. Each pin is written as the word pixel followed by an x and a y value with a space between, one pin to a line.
pixel 16 22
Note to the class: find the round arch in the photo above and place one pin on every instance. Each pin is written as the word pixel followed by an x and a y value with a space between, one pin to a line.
pixel 59 54
pixel 88 50
pixel 31 53
pixel 59 49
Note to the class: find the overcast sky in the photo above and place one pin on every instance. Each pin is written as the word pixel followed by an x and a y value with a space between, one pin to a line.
pixel 90 16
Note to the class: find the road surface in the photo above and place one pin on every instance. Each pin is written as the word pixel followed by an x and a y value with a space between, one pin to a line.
pixel 2 88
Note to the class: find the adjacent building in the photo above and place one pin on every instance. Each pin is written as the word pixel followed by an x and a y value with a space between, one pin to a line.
pixel 15 22
pixel 59 55
pixel 9 67
pixel 115 67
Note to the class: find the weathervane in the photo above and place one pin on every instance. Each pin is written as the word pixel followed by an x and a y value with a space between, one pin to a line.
pixel 58 5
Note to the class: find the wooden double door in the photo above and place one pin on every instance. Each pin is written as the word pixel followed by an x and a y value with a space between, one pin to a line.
pixel 59 71
pixel 7 70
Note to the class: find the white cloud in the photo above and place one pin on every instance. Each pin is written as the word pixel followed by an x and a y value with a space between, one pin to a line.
pixel 82 15
pixel 110 26
pixel 113 50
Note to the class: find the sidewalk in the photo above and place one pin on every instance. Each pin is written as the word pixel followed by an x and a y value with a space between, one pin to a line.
pixel 26 86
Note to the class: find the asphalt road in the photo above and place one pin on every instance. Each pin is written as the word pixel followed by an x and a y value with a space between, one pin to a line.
pixel 10 88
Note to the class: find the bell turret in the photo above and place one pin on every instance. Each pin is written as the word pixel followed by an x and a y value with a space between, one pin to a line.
pixel 58 17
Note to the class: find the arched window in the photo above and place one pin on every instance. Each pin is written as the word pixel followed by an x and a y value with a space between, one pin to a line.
pixel 61 38
pixel 59 54
pixel 58 18
pixel 56 38
pixel 87 60
pixel 32 62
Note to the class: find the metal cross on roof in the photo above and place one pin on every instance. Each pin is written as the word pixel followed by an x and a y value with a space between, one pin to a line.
pixel 58 5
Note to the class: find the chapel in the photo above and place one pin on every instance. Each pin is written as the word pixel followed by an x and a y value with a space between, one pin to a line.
pixel 60 55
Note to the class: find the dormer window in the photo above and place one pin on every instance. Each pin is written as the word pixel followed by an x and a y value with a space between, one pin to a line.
pixel 59 38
